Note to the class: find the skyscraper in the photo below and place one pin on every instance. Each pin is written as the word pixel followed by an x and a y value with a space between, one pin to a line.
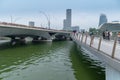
pixel 103 19
pixel 68 17
pixel 64 22
pixel 67 22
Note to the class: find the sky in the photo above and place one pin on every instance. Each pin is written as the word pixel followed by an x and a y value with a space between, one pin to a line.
pixel 85 13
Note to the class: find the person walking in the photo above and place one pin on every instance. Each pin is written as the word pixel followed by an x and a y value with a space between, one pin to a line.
pixel 103 34
pixel 109 35
pixel 118 37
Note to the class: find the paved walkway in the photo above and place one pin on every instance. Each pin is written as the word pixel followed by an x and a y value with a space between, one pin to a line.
pixel 106 45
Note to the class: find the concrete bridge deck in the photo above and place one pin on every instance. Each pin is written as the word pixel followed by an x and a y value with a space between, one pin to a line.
pixel 12 25
pixel 18 30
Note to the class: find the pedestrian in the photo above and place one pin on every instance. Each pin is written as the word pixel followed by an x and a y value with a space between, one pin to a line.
pixel 91 33
pixel 118 37
pixel 106 35
pixel 103 34
pixel 109 35
pixel 92 37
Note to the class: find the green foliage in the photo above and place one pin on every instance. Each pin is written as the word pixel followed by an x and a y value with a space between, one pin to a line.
pixel 94 31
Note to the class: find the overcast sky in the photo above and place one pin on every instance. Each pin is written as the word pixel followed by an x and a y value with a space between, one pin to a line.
pixel 85 13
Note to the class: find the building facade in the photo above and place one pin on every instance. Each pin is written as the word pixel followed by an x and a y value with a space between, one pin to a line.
pixel 31 23
pixel 75 28
pixel 68 17
pixel 67 22
pixel 102 19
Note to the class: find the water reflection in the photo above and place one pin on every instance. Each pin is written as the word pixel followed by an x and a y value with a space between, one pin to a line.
pixel 87 66
pixel 37 62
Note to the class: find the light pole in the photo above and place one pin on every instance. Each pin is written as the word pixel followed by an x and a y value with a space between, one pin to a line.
pixel 14 20
pixel 11 18
pixel 47 17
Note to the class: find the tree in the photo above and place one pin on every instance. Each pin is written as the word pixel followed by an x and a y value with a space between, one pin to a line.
pixel 94 31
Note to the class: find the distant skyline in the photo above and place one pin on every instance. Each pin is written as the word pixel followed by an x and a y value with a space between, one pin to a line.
pixel 85 13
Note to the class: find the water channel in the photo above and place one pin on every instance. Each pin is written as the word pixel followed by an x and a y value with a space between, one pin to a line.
pixel 61 60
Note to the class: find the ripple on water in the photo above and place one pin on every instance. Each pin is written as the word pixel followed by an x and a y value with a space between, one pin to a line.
pixel 51 64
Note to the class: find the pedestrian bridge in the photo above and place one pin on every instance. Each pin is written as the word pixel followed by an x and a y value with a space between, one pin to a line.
pixel 17 30
pixel 107 51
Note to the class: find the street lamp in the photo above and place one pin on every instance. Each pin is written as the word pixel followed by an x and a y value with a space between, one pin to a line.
pixel 11 18
pixel 16 19
pixel 13 21
pixel 47 17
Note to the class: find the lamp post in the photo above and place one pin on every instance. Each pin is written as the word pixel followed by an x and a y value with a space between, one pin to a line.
pixel 11 18
pixel 14 20
pixel 47 17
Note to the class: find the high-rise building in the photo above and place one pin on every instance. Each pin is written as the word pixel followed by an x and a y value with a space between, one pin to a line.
pixel 67 22
pixel 68 17
pixel 75 28
pixel 103 19
pixel 64 23
pixel 31 23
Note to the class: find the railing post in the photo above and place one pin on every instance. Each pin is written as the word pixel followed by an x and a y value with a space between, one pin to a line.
pixel 82 38
pixel 75 36
pixel 114 47
pixel 86 38
pixel 91 42
pixel 99 45
pixel 79 37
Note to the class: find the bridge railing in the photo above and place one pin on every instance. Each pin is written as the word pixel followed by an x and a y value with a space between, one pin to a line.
pixel 108 47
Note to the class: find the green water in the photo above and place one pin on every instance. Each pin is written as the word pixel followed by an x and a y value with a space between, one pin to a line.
pixel 47 61
pixel 85 67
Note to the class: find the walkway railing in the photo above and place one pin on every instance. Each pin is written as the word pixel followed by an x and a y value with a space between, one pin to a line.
pixel 108 47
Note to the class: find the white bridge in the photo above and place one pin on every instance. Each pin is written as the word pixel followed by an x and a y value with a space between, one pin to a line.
pixel 17 30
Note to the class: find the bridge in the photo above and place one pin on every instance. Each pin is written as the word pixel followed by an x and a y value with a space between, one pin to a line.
pixel 17 30
pixel 107 51
pixel 111 26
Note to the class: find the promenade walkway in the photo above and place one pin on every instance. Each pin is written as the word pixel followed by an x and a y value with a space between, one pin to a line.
pixel 108 47
pixel 108 51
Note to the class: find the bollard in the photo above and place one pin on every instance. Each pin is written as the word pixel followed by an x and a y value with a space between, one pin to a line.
pixel 91 42
pixel 114 47
pixel 99 45
pixel 86 38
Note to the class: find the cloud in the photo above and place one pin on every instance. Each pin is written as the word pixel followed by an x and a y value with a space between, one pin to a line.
pixel 85 12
